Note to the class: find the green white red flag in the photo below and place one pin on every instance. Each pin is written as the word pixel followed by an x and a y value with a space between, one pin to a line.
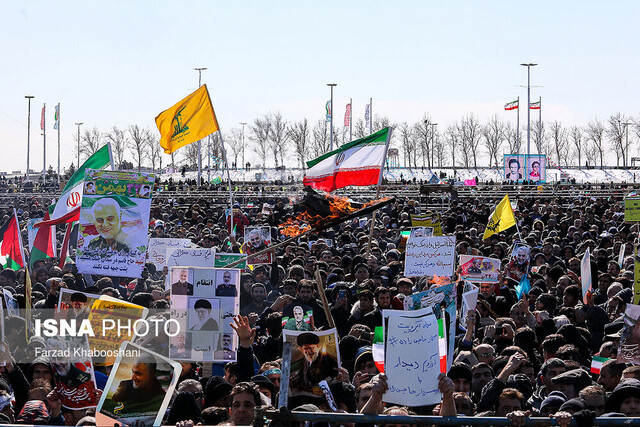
pixel 442 344
pixel 359 163
pixel 42 243
pixel 67 209
pixel 377 349
pixel 535 105
pixel 11 255
pixel 596 364
pixel 512 105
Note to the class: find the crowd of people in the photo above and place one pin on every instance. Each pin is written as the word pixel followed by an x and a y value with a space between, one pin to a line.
pixel 513 357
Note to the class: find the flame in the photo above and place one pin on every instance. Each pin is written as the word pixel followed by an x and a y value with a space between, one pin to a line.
pixel 440 280
pixel 303 221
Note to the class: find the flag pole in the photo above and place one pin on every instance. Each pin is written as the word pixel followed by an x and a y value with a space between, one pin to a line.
pixel 226 165
pixel 518 127
pixel 350 119
pixel 58 125
pixel 371 119
pixel 384 160
pixel 540 126
pixel 44 144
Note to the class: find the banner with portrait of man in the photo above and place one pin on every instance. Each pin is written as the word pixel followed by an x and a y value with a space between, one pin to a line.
pixel 114 218
pixel 257 239
pixel 514 167
pixel 203 302
pixel 519 261
pixel 536 169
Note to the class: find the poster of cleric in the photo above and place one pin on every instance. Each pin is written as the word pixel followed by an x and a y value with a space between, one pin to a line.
pixel 114 217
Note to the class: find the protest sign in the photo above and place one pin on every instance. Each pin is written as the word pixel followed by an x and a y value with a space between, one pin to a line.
pixel 139 388
pixel 75 304
pixel 412 357
pixel 257 239
pixel 438 298
pixel 629 350
pixel 11 303
pixel 108 311
pixel 31 233
pixel 158 249
pixel 430 256
pixel 469 302
pixel 314 357
pixel 433 220
pixel 74 377
pixel 519 261
pixel 585 274
pixel 114 218
pixel 636 277
pixel 623 247
pixel 223 259
pixel 632 209
pixel 203 302
pixel 421 231
pixel 479 269
pixel 189 257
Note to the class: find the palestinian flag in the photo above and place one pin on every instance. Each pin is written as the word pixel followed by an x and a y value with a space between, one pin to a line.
pixel 68 207
pixel 42 243
pixel 512 105
pixel 378 348
pixel 442 344
pixel 11 255
pixel 359 163
pixel 535 105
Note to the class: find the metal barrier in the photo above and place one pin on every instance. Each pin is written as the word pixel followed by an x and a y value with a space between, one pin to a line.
pixel 286 416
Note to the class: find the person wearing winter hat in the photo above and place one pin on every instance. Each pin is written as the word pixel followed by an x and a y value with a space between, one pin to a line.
pixel 625 398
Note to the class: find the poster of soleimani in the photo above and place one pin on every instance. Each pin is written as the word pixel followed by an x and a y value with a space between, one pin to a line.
pixel 114 218
pixel 139 388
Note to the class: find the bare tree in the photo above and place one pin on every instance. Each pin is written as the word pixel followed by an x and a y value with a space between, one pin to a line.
pixel 493 134
pixel 138 143
pixel 360 129
pixel 595 134
pixel 452 140
pixel 424 139
pixel 615 132
pixel 118 140
pixel 578 143
pixel 538 135
pixel 233 144
pixel 278 138
pixel 513 137
pixel 260 132
pixel 409 143
pixel 90 141
pixel 470 131
pixel 560 142
pixel 380 122
pixel 191 155
pixel 299 134
pixel 320 142
pixel 439 148
pixel 154 150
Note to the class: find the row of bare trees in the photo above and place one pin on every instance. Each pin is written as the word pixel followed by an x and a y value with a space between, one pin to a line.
pixel 466 142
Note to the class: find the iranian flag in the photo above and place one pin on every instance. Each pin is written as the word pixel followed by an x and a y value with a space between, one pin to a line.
pixel 535 105
pixel 442 344
pixel 378 348
pixel 11 255
pixel 68 207
pixel 596 364
pixel 511 105
pixel 359 163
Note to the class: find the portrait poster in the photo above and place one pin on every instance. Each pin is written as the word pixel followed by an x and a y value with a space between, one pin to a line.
pixel 438 298
pixel 430 256
pixel 629 350
pixel 469 302
pixel 114 220
pixel 412 357
pixel 105 313
pixel 536 167
pixel 297 317
pixel 433 219
pixel 73 373
pixel 203 303
pixel 257 239
pixel 421 232
pixel 314 357
pixel 479 269
pixel 139 388
pixel 11 303
pixel 31 234
pixel 519 261
pixel 514 165
pixel 74 304
pixel 189 257
pixel 158 248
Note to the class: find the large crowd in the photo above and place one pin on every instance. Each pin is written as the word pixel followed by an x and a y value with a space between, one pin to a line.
pixel 513 357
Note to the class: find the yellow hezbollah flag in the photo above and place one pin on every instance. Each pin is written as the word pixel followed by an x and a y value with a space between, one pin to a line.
pixel 501 219
pixel 188 121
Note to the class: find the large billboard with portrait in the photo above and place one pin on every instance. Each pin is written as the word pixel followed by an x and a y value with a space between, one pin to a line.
pixel 514 167
pixel 114 218
pixel 536 167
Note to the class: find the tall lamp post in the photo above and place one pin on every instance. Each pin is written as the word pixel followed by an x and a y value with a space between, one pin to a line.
pixel 529 65
pixel 200 70
pixel 243 164
pixel 626 144
pixel 331 85
pixel 433 139
pixel 29 98
pixel 78 124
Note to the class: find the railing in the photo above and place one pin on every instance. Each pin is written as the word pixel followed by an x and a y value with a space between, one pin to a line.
pixel 284 416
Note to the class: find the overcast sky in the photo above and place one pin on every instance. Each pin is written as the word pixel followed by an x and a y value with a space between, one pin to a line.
pixel 119 63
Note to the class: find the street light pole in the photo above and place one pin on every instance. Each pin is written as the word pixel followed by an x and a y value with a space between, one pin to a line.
pixel 529 65
pixel 243 164
pixel 331 85
pixel 78 124
pixel 626 125
pixel 200 70
pixel 433 139
pixel 29 98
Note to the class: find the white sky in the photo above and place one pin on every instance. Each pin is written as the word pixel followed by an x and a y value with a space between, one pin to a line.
pixel 120 63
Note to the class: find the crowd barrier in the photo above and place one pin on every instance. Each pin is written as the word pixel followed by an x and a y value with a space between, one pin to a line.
pixel 284 416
